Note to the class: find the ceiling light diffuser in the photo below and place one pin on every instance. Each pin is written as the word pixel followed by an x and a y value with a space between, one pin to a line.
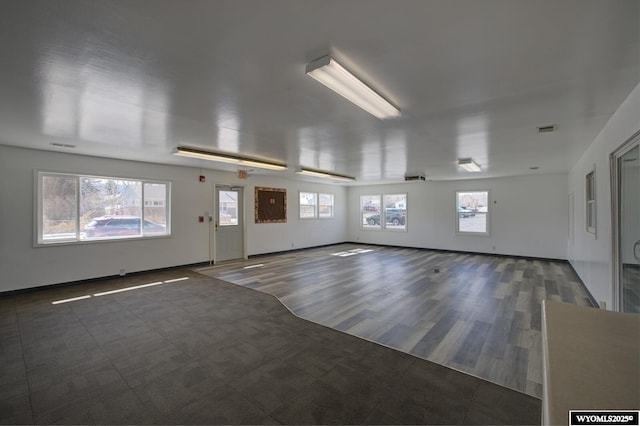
pixel 469 165
pixel 326 175
pixel 337 78
pixel 227 158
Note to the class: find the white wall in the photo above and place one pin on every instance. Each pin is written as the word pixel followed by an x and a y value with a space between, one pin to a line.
pixel 23 266
pixel 296 233
pixel 529 216
pixel 591 256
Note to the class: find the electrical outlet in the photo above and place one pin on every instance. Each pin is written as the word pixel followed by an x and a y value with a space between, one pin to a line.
pixel 122 272
pixel 603 304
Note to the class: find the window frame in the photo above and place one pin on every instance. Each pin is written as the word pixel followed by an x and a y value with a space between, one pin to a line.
pixel 38 222
pixel 406 213
pixel 591 205
pixel 361 210
pixel 316 205
pixel 333 205
pixel 382 213
pixel 487 214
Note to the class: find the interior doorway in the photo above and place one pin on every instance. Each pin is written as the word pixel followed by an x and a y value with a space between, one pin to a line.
pixel 229 225
pixel 625 166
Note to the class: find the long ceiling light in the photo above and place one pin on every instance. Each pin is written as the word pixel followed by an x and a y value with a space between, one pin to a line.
pixel 469 165
pixel 184 151
pixel 333 75
pixel 326 175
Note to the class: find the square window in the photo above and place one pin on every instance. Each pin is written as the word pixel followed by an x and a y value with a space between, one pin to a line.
pixel 472 212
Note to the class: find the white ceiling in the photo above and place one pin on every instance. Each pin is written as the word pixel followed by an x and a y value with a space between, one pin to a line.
pixel 133 79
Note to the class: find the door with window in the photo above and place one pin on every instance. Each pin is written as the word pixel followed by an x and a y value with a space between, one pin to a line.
pixel 228 226
pixel 626 179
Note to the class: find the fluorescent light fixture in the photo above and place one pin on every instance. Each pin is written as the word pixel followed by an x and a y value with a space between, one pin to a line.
pixel 469 165
pixel 184 151
pixel 326 175
pixel 333 75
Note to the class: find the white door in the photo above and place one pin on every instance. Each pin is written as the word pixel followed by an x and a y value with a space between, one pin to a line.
pixel 626 165
pixel 228 226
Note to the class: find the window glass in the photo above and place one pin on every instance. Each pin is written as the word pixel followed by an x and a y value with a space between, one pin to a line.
pixel 59 208
pixel 325 205
pixel 102 199
pixel 74 207
pixel 228 205
pixel 308 202
pixel 370 212
pixel 395 211
pixel 591 202
pixel 472 212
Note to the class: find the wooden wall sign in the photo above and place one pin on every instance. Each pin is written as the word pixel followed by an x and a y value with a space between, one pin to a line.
pixel 271 205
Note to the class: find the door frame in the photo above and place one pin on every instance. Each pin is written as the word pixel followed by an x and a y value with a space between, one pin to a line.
pixel 627 146
pixel 216 213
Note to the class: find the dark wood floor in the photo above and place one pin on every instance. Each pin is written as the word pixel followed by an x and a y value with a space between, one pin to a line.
pixel 178 347
pixel 475 313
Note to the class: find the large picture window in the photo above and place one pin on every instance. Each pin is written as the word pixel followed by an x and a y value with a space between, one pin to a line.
pixel 74 208
pixel 472 212
pixel 388 212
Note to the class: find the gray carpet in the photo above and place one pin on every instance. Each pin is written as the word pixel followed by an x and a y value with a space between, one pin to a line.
pixel 203 351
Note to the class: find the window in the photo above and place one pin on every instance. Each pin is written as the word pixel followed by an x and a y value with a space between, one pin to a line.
pixel 308 203
pixel 472 212
pixel 591 202
pixel 228 208
pixel 395 211
pixel 370 211
pixel 325 205
pixel 74 208
pixel 316 205
pixel 388 211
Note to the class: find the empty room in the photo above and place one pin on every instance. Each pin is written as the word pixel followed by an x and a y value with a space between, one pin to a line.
pixel 319 212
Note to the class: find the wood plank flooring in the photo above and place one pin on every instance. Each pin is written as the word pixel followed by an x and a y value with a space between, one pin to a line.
pixel 475 313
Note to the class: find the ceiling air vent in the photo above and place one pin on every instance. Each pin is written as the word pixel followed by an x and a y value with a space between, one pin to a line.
pixel 414 177
pixel 546 129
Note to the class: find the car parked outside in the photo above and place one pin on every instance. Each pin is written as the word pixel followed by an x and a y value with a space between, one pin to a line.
pixel 464 212
pixel 393 217
pixel 118 226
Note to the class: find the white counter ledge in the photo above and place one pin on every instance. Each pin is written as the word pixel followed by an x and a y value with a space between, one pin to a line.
pixel 591 360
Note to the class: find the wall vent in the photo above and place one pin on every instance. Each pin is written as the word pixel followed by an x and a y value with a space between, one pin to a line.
pixel 414 177
pixel 546 129
pixel 62 145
